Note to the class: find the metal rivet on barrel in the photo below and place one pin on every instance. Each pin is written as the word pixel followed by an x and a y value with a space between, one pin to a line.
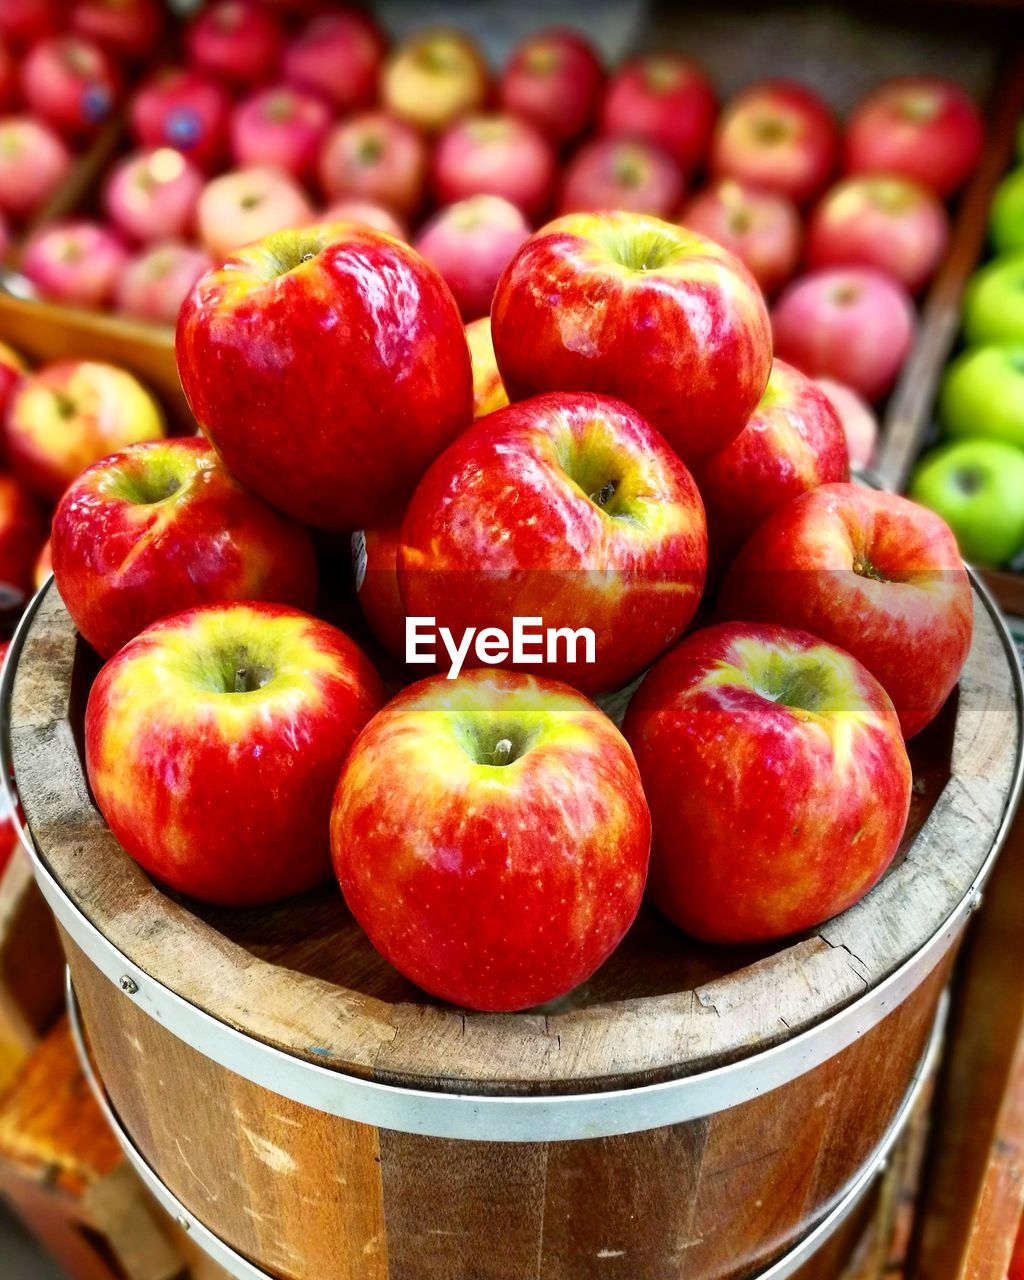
pixel 183 1222
pixel 975 899
pixel 127 985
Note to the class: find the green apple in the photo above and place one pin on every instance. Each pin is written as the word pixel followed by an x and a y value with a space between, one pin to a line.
pixel 994 302
pixel 983 393
pixel 977 486
pixel 1006 217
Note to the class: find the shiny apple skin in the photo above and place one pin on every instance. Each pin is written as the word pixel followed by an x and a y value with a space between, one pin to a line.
pixel 22 535
pixel 495 887
pixel 226 796
pixel 124 557
pixel 489 391
pixel 553 78
pixel 688 344
pixel 502 526
pixel 793 441
pixel 666 99
pixel 327 390
pixel 768 818
pixel 873 573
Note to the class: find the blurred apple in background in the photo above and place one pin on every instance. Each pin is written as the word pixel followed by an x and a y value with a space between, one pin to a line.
pixel 367 214
pixel 848 323
pixel 237 41
pixel 553 78
pixel 152 195
pixel 761 228
pixel 282 127
pixel 128 28
pixel 1006 215
pixel 666 99
pixel 44 565
pixel 155 283
pixel 375 157
pixel 75 262
pixel 615 173
pixel 882 221
pixel 246 204
pixel 993 309
pixel 338 55
pixel 69 414
pixel 9 86
pixel 495 155
pixel 859 421
pixel 434 78
pixel 22 535
pixel 977 486
pixel 923 127
pixel 778 135
pixel 23 21
pixel 489 392
pixel 34 162
pixel 71 83
pixel 185 110
pixel 471 243
pixel 12 366
pixel 983 393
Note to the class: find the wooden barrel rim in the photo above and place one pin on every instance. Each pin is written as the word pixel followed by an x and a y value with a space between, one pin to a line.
pixel 429 1046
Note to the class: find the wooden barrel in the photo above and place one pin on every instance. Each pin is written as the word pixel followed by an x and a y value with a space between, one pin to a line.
pixel 691 1111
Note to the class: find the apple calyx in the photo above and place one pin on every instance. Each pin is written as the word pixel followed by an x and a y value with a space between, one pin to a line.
pixel 369 149
pixel 641 251
pixel 891 195
pixel 969 480
pixel 438 57
pixel 662 75
pixel 64 404
pixel 864 568
pixel 845 295
pixel 920 107
pixel 542 59
pixel 604 495
pixel 280 108
pixel 770 129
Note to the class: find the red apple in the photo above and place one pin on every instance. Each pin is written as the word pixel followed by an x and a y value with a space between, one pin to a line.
pixel 778 781
pixel 847 323
pixel 152 195
pixel 615 173
pixel 69 414
pixel 639 309
pixel 666 99
pixel 338 56
pixel 489 391
pixel 881 221
pixel 282 127
pixel 367 214
pixel 495 155
pixel 567 508
pixel 553 79
pixel 761 228
pixel 434 78
pixel 471 243
pixel 71 83
pixel 777 135
pixel 213 743
pixel 925 128
pixel 9 87
pixel 247 204
pixel 873 573
pixel 375 569
pixel 237 41
pixel 185 110
pixel 128 28
pixel 158 279
pixel 375 157
pixel 34 162
pixel 162 527
pixel 860 423
pixel 78 263
pixel 492 837
pixel 24 21
pixel 22 534
pixel 326 392
pixel 793 441
pixel 12 369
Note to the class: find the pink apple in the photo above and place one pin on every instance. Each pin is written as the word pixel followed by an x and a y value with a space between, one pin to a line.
pixel 922 127
pixel 33 164
pixel 185 110
pixel 128 28
pixel 280 126
pixel 236 41
pixel 471 243
pixel 860 423
pixel 553 79
pixel 152 195
pixel 155 283
pixel 619 174
pixel 338 55
pixel 777 135
pixel 883 221
pixel 761 228
pixel 375 157
pixel 23 21
pixel 247 204
pixel 71 83
pixel 434 78
pixel 848 323
pixel 667 99
pixel 78 263
pixel 367 214
pixel 9 88
pixel 495 155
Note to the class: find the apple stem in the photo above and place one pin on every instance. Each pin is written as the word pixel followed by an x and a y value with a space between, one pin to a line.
pixel 502 750
pixel 604 495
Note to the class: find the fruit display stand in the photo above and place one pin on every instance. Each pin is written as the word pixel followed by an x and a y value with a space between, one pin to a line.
pixel 307 1112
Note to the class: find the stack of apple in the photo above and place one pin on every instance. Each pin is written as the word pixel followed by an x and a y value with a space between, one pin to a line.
pixel 977 480
pixel 490 826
